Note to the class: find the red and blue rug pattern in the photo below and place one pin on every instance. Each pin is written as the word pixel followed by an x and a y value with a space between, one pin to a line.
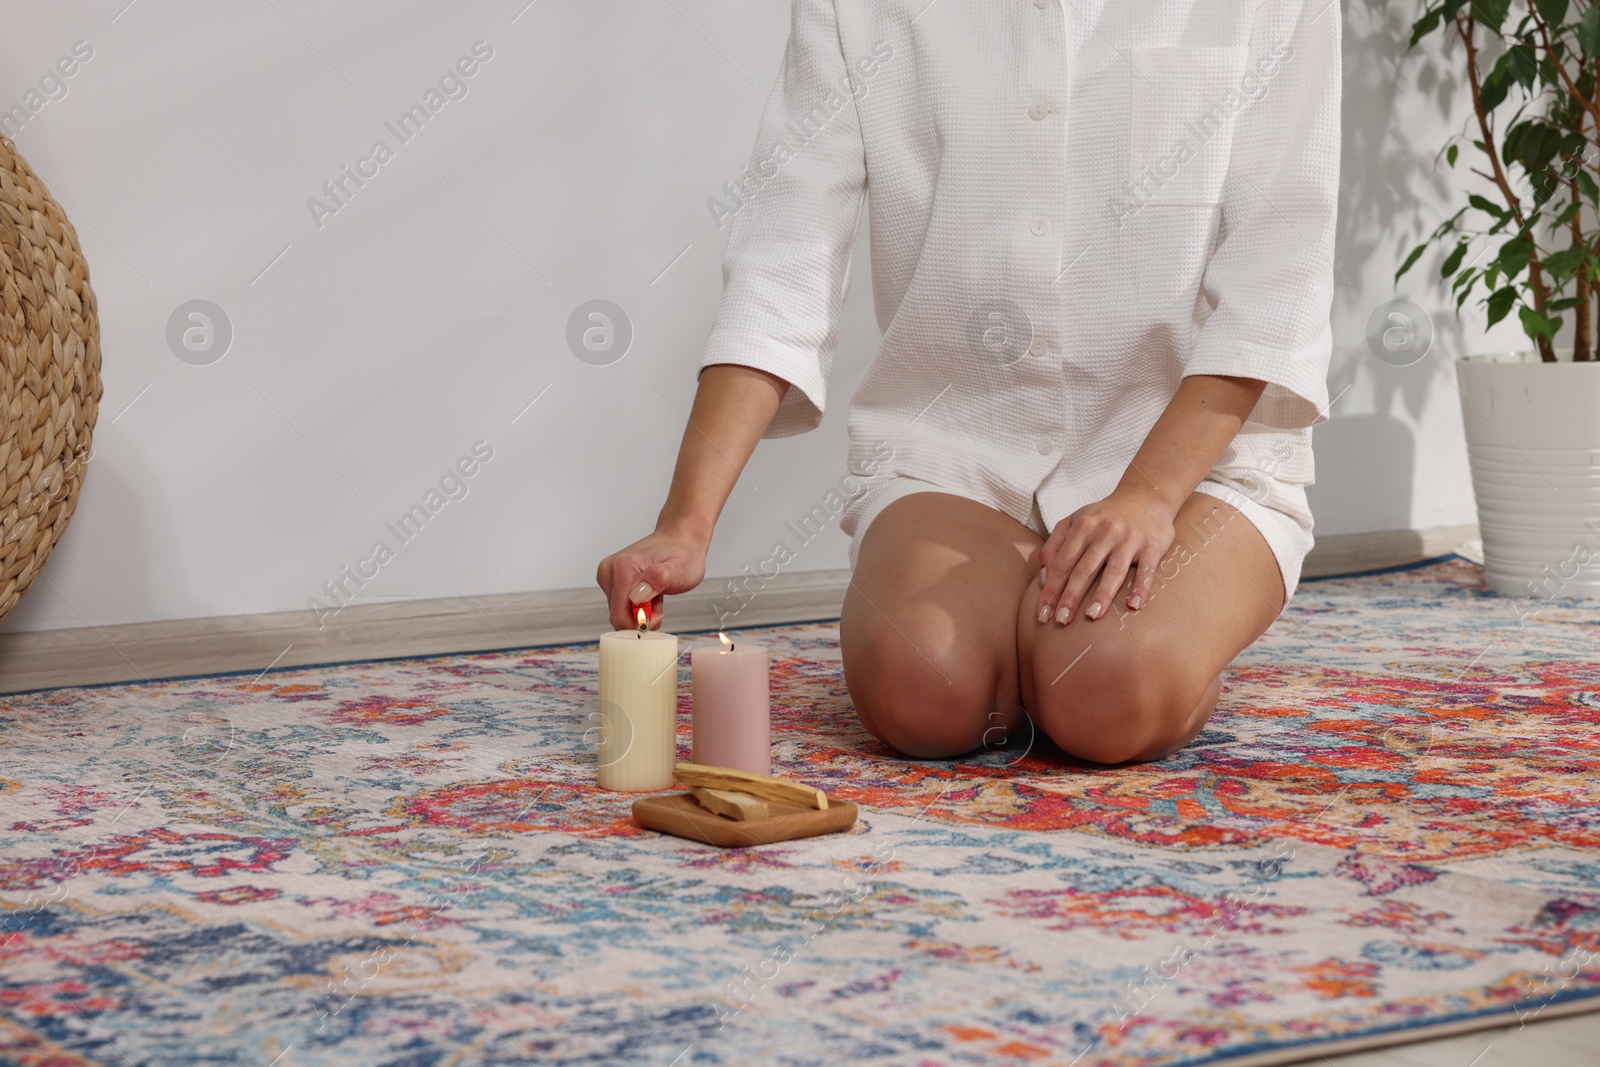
pixel 1392 823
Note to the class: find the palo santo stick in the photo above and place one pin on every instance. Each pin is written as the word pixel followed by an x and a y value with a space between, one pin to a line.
pixel 760 785
pixel 741 806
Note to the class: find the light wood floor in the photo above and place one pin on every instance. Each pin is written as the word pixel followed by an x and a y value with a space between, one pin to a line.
pixel 1570 1042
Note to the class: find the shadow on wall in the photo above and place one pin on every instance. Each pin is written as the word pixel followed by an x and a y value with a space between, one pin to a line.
pixel 114 588
pixel 1380 452
pixel 1399 110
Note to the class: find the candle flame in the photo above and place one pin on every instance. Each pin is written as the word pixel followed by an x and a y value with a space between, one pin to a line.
pixel 643 615
pixel 725 640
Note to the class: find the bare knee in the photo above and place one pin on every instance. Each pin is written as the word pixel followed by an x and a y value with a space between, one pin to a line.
pixel 927 708
pixel 1121 703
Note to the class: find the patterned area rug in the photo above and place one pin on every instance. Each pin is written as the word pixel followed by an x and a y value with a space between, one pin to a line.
pixel 1391 824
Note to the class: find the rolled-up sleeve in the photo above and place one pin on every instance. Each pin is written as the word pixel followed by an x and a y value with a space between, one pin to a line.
pixel 1269 280
pixel 792 228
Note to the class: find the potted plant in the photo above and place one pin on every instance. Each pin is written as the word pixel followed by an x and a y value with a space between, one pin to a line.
pixel 1527 241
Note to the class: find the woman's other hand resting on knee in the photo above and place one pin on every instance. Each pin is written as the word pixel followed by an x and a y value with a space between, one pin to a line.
pixel 1132 529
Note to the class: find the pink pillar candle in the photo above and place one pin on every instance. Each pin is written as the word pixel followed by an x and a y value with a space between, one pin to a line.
pixel 732 706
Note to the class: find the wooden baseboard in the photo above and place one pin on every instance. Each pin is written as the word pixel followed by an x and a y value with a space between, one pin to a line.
pixel 41 659
pixel 1354 553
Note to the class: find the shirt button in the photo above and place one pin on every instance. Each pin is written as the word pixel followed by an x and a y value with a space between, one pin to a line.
pixel 1038 110
pixel 1040 226
pixel 1038 347
pixel 1045 446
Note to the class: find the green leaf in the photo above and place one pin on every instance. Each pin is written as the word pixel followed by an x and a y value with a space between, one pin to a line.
pixel 1562 264
pixel 1547 69
pixel 1496 84
pixel 1566 303
pixel 1512 258
pixel 1488 206
pixel 1465 278
pixel 1453 260
pixel 1589 32
pixel 1587 186
pixel 1546 185
pixel 1533 144
pixel 1492 13
pixel 1451 153
pixel 1500 302
pixel 1422 27
pixel 1536 325
pixel 1554 12
pixel 1573 147
pixel 1522 64
pixel 1416 253
pixel 1566 215
pixel 1466 290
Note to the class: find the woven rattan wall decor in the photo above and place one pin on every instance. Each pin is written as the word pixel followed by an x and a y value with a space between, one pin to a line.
pixel 49 373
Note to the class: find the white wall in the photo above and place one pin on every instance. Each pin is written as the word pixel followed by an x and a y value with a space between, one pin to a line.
pixel 428 312
pixel 1391 455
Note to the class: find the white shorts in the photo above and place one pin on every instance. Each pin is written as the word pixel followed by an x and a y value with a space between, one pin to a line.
pixel 1288 537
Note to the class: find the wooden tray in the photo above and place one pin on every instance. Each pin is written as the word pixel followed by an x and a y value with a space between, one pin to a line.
pixel 681 815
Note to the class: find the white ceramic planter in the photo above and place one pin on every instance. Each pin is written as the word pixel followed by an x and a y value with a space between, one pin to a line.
pixel 1533 441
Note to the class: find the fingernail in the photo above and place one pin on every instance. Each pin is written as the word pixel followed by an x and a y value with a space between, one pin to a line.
pixel 1044 612
pixel 641 593
pixel 1064 614
pixel 1094 610
pixel 1136 602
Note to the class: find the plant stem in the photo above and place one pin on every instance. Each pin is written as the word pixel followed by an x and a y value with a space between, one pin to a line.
pixel 1591 106
pixel 1465 26
pixel 1580 312
pixel 1580 339
pixel 1583 267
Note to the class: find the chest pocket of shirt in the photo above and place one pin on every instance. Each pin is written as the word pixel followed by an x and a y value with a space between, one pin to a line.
pixel 1183 110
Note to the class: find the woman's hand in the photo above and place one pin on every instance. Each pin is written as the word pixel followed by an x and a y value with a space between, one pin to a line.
pixel 665 562
pixel 733 405
pixel 1104 539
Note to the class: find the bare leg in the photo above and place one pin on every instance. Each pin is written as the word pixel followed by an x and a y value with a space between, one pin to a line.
pixel 941 649
pixel 1140 685
pixel 928 632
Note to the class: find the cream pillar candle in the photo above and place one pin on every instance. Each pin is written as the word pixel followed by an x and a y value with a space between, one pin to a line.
pixel 732 706
pixel 638 710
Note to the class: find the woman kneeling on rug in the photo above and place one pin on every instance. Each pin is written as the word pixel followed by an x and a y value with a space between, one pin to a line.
pixel 1102 259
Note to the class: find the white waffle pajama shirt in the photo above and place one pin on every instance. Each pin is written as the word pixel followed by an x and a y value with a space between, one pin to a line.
pixel 1074 204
